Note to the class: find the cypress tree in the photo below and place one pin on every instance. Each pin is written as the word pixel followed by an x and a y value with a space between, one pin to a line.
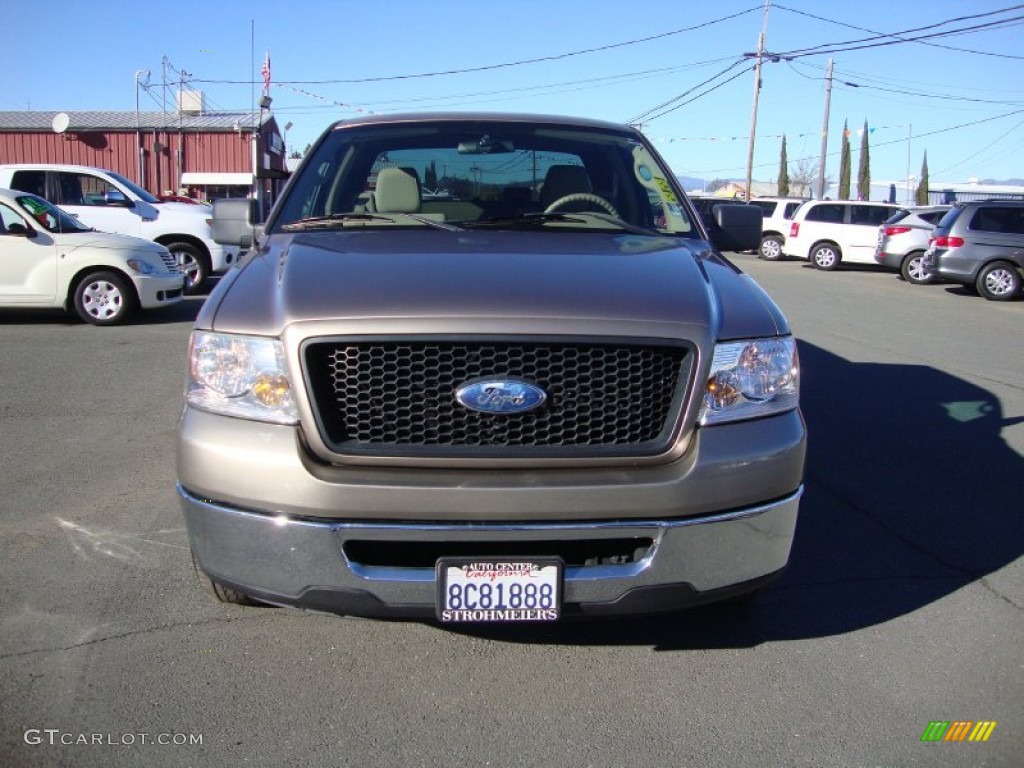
pixel 844 165
pixel 922 186
pixel 864 170
pixel 783 183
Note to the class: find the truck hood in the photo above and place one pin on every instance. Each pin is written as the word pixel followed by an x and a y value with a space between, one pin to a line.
pixel 657 285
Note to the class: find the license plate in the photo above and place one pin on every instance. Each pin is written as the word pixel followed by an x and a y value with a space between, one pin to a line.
pixel 499 589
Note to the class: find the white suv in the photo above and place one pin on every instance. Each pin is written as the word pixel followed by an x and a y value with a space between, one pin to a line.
pixel 777 212
pixel 827 232
pixel 109 202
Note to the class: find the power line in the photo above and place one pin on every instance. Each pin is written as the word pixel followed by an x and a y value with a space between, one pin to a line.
pixel 922 42
pixel 504 65
pixel 939 96
pixel 699 95
pixel 645 116
pixel 983 149
pixel 883 143
pixel 848 46
pixel 595 81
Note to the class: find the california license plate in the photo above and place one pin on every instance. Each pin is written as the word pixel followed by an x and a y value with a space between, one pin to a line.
pixel 499 589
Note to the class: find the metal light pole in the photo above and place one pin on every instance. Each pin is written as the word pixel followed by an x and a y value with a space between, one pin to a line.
pixel 138 129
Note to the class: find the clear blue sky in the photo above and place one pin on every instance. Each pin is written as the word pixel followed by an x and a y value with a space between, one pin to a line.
pixel 67 56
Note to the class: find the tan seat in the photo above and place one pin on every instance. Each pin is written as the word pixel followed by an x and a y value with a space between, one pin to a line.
pixel 562 180
pixel 396 192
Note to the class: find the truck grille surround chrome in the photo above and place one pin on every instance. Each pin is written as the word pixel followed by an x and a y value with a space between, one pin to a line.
pixel 396 397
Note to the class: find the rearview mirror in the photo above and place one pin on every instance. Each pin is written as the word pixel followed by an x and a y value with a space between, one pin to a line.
pixel 486 146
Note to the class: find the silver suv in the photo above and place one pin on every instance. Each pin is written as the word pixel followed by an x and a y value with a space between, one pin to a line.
pixel 904 238
pixel 488 367
pixel 981 244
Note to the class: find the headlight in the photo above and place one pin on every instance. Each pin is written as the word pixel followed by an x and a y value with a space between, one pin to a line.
pixel 242 376
pixel 749 379
pixel 142 267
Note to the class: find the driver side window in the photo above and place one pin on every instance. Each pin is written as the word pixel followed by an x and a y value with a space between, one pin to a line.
pixel 84 189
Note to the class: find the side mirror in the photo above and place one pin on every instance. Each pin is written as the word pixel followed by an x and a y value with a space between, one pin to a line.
pixel 234 221
pixel 739 227
pixel 116 197
pixel 21 230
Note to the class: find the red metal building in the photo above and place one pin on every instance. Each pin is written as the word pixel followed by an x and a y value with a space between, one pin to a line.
pixel 211 155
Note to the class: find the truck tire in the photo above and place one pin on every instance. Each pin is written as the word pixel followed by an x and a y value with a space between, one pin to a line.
pixel 192 262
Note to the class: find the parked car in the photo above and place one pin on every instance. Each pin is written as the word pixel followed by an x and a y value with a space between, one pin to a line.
pixel 829 232
pixel 180 199
pixel 539 392
pixel 49 259
pixel 111 203
pixel 904 238
pixel 981 244
pixel 778 214
pixel 705 205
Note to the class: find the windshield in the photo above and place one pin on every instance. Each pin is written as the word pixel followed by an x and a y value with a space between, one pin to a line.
pixel 484 174
pixel 49 216
pixel 135 188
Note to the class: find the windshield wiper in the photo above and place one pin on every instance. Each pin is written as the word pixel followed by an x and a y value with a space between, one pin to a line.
pixel 621 223
pixel 340 219
pixel 539 219
pixel 435 223
pixel 526 219
pixel 314 222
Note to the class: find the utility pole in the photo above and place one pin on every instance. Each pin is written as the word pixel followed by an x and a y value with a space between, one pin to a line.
pixel 824 133
pixel 182 76
pixel 757 90
pixel 910 131
pixel 140 178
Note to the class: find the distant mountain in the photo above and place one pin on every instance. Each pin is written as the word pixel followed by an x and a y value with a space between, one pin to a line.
pixel 691 183
pixel 1005 182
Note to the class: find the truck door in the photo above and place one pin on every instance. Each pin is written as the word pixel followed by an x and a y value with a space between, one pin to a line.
pixel 97 203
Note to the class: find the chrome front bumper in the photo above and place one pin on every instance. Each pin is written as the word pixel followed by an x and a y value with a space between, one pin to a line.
pixel 302 562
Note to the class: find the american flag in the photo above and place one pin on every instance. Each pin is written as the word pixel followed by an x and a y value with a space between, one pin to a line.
pixel 265 71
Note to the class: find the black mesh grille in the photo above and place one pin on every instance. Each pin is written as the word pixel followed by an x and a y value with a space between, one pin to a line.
pixel 398 397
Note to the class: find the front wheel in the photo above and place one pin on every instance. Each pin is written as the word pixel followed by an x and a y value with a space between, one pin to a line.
pixel 218 591
pixel 998 281
pixel 771 248
pixel 914 270
pixel 826 256
pixel 104 298
pixel 192 263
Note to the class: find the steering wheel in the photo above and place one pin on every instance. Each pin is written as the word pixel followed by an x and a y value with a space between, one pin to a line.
pixel 582 197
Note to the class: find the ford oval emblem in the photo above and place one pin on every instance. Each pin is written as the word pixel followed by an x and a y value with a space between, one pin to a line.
pixel 500 395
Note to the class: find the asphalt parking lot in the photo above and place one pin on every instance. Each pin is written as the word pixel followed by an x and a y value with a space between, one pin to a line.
pixel 904 602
